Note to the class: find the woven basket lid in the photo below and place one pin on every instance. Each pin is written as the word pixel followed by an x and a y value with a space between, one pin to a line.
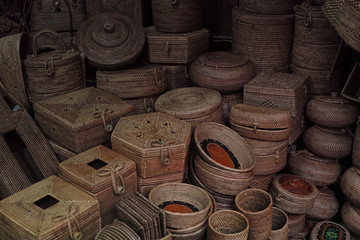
pixel 265 148
pixel 110 40
pixel 333 98
pixel 324 229
pixel 56 57
pixel 223 59
pixel 295 185
pixel 262 19
pixel 189 103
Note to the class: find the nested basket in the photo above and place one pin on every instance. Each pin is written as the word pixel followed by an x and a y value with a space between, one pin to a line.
pixel 332 111
pixel 280 224
pixel 325 206
pixel 293 194
pixel 350 185
pixel 296 224
pixel 328 142
pixel 177 15
pixel 227 225
pixel 256 205
pixel 318 170
pixel 117 229
pixel 324 229
pixel 259 36
pixel 269 6
pixel 185 205
pixel 350 216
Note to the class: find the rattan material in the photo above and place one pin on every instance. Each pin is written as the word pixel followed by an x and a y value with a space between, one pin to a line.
pixel 118 230
pixel 350 185
pixel 228 101
pixel 262 182
pixel 223 71
pixel 270 157
pixel 350 90
pixel 296 224
pixel 9 26
pixel 61 152
pixel 168 16
pixel 258 37
pixel 293 194
pixel 12 52
pixel 27 162
pixel 318 170
pixel 143 81
pixel 280 224
pixel 186 193
pixel 143 105
pixel 356 147
pixel 332 111
pixel 262 123
pixel 324 229
pixel 350 216
pixel 325 206
pixel 29 214
pixel 227 225
pixel 175 48
pixel 157 142
pixel 81 119
pixel 110 40
pixel 269 6
pixel 115 179
pixel 4 106
pixel 178 76
pixel 328 142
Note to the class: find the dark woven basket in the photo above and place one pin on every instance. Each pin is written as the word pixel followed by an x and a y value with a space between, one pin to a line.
pixel 350 215
pixel 323 229
pixel 269 6
pixel 350 185
pixel 325 207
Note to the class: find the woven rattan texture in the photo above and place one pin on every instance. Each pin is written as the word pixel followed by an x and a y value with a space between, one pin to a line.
pixel 280 224
pixel 178 76
pixel 142 105
pixel 262 182
pixel 350 216
pixel 326 205
pixel 350 185
pixel 117 229
pixel 269 7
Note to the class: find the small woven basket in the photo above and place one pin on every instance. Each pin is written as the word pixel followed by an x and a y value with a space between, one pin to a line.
pixel 280 224
pixel 227 225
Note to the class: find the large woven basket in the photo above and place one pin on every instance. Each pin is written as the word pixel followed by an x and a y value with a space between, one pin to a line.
pixel 318 170
pixel 324 229
pixel 227 225
pixel 296 224
pixel 280 224
pixel 325 207
pixel 49 209
pixel 350 216
pixel 278 7
pixel 256 205
pixel 168 15
pixel 258 37
pixel 350 185
pixel 328 142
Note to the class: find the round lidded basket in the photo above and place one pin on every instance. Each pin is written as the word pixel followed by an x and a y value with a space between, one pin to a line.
pixel 350 185
pixel 227 225
pixel 328 142
pixel 332 111
pixel 269 6
pixel 293 194
pixel 350 216
pixel 224 71
pixel 110 40
pixel 256 205
pixel 325 206
pixel 185 205
pixel 280 224
pixel 318 170
pixel 296 224
pixel 326 229
pixel 262 182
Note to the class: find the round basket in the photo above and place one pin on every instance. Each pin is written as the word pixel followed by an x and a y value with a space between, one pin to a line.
pixel 325 206
pixel 256 205
pixel 350 216
pixel 224 71
pixel 328 142
pixel 280 224
pixel 185 205
pixel 350 185
pixel 269 6
pixel 227 225
pixel 324 229
pixel 296 224
pixel 318 170
pixel 332 111
pixel 293 194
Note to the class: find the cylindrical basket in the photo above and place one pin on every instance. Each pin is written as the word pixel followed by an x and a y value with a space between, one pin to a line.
pixel 280 224
pixel 269 6
pixel 350 185
pixel 325 206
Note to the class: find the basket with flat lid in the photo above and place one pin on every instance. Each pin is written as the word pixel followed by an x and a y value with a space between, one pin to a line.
pixel 110 40
pixel 332 111
pixel 224 71
pixel 293 194
pixel 324 230
pixel 325 206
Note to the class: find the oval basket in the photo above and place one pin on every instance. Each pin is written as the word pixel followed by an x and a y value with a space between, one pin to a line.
pixel 296 224
pixel 227 225
pixel 350 185
pixel 256 205
pixel 350 216
pixel 323 229
pixel 328 142
pixel 269 6
pixel 293 194
pixel 280 224
pixel 186 194
pixel 325 206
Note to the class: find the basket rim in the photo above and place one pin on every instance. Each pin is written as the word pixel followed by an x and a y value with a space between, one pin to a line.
pixel 233 212
pixel 253 190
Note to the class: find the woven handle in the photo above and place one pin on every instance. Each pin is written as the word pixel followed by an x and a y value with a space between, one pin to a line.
pixel 160 82
pixel 174 2
pixel 61 46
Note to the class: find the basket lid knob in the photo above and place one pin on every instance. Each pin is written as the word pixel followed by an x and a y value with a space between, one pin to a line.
pixel 108 27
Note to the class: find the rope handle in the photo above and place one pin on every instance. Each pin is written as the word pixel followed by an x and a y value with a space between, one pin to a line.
pixel 277 157
pixel 113 171
pixel 160 143
pixel 308 17
pixel 174 2
pixel 151 108
pixel 278 197
pixel 167 48
pixel 50 71
pixel 70 214
pixel 105 113
pixel 255 126
pixel 159 81
pixel 50 33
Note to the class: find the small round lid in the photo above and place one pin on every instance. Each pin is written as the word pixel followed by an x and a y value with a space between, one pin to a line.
pixel 111 40
pixel 333 98
pixel 223 59
pixel 295 184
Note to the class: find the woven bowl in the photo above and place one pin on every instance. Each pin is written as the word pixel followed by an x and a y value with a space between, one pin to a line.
pixel 194 198
pixel 227 224
pixel 280 224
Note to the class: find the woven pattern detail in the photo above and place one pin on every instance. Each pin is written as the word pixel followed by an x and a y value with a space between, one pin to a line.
pixel 262 182
pixel 350 216
pixel 178 76
pixel 117 229
pixel 356 147
pixel 350 185
pixel 325 206
pixel 143 105
pixel 269 6
pixel 280 224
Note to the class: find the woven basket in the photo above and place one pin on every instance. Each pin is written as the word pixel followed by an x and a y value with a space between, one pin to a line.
pixel 157 142
pixel 258 37
pixel 117 229
pixel 262 123
pixel 318 170
pixel 142 105
pixel 26 155
pixel 227 225
pixel 293 194
pixel 325 206
pixel 194 198
pixel 328 142
pixel 324 229
pixel 175 48
pixel 356 147
pixel 350 185
pixel 296 224
pixel 49 209
pixel 350 216
pixel 256 205
pixel 278 7
pixel 168 15
pixel 223 71
pixel 262 182
pixel 178 76
pixel 280 224
pixel 143 81
pixel 228 101
pixel 110 40
pixel 332 111
pixel 61 152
